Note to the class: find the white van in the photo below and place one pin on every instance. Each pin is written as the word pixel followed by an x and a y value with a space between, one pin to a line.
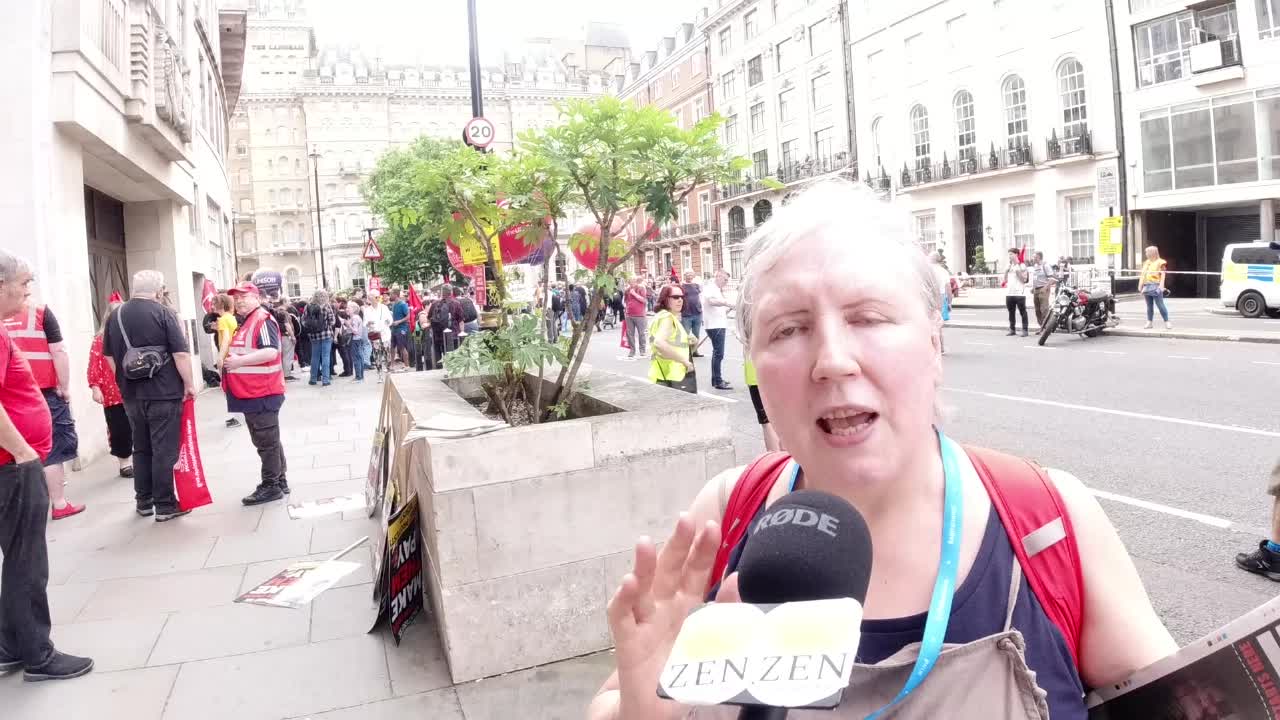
pixel 1251 279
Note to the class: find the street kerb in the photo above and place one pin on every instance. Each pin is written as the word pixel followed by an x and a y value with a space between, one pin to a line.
pixel 1217 336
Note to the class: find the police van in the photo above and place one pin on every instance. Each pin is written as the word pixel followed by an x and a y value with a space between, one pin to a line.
pixel 1251 278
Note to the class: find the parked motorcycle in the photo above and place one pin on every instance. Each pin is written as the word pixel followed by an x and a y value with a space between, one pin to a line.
pixel 1082 312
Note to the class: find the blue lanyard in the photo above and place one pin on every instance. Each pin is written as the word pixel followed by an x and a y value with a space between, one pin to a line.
pixel 944 589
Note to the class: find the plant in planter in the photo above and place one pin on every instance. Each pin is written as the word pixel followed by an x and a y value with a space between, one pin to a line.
pixel 503 357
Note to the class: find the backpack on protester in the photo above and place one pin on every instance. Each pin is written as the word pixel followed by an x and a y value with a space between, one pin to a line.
pixel 440 315
pixel 469 313
pixel 1029 506
pixel 313 320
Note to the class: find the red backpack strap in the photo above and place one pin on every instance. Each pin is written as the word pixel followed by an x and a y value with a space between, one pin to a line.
pixel 748 496
pixel 1039 529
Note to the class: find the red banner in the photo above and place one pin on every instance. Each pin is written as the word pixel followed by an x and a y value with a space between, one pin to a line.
pixel 482 289
pixel 188 473
pixel 207 295
pixel 375 285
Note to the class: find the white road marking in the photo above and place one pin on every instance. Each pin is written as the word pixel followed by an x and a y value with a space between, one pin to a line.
pixel 1040 347
pixel 1123 413
pixel 1186 357
pixel 970 342
pixel 1157 507
pixel 721 398
pixel 1108 352
pixel 1264 362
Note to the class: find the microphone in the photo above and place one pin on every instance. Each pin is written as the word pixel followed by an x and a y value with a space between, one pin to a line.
pixel 809 545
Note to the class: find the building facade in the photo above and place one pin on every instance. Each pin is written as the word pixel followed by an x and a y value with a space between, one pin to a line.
pixel 117 162
pixel 990 121
pixel 780 78
pixel 674 77
pixel 1202 129
pixel 313 121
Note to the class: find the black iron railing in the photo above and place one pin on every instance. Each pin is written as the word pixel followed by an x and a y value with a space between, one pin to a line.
pixel 1079 142
pixel 813 167
pixel 966 162
pixel 736 235
pixel 676 231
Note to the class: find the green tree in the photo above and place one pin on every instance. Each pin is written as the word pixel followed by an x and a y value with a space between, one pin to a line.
pixel 411 251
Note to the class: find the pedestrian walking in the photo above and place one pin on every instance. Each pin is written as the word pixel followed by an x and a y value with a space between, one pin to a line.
pixel 669 340
pixel 1015 284
pixel 943 278
pixel 845 346
pixel 26 438
pixel 1265 561
pixel 559 311
pixel 145 346
pixel 102 383
pixel 255 387
pixel 1042 282
pixel 691 314
pixel 38 338
pixel 636 301
pixel 1152 284
pixel 318 323
pixel 715 317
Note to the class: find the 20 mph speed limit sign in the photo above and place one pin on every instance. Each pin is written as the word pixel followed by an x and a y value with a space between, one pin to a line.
pixel 479 132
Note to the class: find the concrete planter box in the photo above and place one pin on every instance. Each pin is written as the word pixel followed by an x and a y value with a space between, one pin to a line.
pixel 528 530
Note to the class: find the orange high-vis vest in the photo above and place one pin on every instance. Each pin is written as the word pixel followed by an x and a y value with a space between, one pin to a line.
pixel 254 381
pixel 28 336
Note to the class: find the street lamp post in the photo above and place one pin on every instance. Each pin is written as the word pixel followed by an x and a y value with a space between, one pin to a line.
pixel 315 166
pixel 477 103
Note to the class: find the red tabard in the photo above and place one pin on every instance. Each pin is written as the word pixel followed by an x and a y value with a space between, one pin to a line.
pixel 27 331
pixel 259 380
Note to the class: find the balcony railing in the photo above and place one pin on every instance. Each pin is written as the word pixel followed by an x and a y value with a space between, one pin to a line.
pixel 102 22
pixel 677 231
pixel 736 235
pixel 748 185
pixel 1079 142
pixel 351 168
pixel 810 168
pixel 969 162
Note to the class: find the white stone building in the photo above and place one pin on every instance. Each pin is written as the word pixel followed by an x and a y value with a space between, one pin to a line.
pixel 989 120
pixel 115 157
pixel 780 79
pixel 1202 128
pixel 323 115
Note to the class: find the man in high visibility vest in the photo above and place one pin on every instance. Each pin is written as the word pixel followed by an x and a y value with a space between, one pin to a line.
pixel 36 335
pixel 253 378
pixel 26 436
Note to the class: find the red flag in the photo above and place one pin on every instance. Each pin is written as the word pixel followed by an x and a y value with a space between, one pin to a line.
pixel 1022 255
pixel 624 343
pixel 115 298
pixel 415 302
pixel 208 294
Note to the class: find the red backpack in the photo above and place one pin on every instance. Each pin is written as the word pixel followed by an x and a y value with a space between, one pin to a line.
pixel 1022 494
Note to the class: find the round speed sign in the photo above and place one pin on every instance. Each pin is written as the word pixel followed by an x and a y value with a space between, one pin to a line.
pixel 479 132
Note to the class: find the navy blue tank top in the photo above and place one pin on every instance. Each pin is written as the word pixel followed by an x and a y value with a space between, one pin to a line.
pixel 978 611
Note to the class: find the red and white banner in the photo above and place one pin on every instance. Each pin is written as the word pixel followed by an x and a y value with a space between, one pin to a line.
pixel 188 473
pixel 482 289
pixel 207 295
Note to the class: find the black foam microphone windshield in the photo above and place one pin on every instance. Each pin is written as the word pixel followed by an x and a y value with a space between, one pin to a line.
pixel 809 545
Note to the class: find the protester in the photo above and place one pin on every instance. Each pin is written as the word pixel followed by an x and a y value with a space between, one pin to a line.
pixel 771 443
pixel 26 438
pixel 399 329
pixel 102 383
pixel 559 312
pixel 225 327
pixel 1152 285
pixel 1265 561
pixel 360 347
pixel 1015 284
pixel 317 323
pixel 289 328
pixel 154 403
pixel 303 348
pixel 342 337
pixel 38 338
pixel 842 327
pixel 255 387
pixel 445 316
pixel 470 315
pixel 335 327
pixel 636 301
pixel 670 342
pixel 691 315
pixel 715 318
pixel 1042 282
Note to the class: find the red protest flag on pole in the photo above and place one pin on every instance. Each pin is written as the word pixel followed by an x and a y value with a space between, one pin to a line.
pixel 207 295
pixel 415 302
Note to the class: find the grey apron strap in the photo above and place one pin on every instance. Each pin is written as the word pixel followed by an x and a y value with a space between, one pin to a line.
pixel 1015 581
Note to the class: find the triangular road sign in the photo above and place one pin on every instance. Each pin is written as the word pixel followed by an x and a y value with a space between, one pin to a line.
pixel 372 251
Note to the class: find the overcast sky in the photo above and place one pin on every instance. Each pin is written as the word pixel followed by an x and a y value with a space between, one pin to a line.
pixel 436 30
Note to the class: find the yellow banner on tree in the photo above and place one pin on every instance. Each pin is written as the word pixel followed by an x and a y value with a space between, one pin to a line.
pixel 472 251
pixel 1110 240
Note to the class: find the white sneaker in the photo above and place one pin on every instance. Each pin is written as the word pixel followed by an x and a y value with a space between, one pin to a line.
pixel 1168 326
pixel 1147 326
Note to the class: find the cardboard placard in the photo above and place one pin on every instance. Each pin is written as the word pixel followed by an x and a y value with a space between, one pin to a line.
pixel 405 590
pixel 298 584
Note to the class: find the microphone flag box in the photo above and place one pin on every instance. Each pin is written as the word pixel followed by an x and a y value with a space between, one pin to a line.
pixel 788 655
pixel 1231 674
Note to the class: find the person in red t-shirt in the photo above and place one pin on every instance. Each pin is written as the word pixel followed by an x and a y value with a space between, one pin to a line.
pixel 636 302
pixel 102 381
pixel 26 438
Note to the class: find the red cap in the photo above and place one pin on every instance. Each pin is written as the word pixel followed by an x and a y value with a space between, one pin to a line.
pixel 244 288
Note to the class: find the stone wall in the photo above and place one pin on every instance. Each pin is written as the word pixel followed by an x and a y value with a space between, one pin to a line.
pixel 528 530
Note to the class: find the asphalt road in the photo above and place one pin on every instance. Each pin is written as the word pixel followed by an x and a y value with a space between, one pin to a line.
pixel 1177 436
pixel 1184 313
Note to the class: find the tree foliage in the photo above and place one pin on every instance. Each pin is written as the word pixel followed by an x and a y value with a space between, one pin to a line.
pixel 415 250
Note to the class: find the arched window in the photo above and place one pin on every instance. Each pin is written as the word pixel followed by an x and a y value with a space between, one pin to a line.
pixel 357 274
pixel 333 227
pixel 271 198
pixel 269 165
pixel 1071 90
pixel 241 149
pixel 966 130
pixel 761 212
pixel 293 283
pixel 275 235
pixel 353 226
pixel 286 231
pixel 737 218
pixel 246 205
pixel 349 189
pixel 282 165
pixel 248 241
pixel 1015 111
pixel 297 166
pixel 920 136
pixel 875 143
